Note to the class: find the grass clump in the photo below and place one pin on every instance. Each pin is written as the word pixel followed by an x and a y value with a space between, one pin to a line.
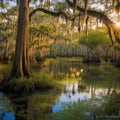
pixel 41 81
pixel 73 111
pixel 92 108
pixel 4 70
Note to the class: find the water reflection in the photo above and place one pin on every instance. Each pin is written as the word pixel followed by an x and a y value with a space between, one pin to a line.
pixel 98 80
pixel 77 91
pixel 65 68
pixel 6 111
pixel 81 82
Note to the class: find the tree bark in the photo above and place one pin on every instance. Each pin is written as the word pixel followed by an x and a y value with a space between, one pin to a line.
pixel 20 65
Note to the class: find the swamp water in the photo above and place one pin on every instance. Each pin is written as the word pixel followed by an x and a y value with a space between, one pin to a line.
pixel 89 92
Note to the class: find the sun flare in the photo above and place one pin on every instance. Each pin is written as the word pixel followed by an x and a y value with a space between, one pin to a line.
pixel 118 24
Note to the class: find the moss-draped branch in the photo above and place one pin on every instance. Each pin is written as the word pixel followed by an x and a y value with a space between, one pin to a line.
pixel 113 30
pixel 55 14
pixel 112 27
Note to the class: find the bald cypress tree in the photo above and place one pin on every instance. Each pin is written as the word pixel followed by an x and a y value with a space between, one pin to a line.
pixel 20 65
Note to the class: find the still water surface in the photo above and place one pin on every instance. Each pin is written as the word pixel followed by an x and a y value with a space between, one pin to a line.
pixel 81 82
pixel 6 110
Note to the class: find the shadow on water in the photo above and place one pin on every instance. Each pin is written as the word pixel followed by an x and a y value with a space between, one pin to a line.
pixel 6 109
pixel 89 92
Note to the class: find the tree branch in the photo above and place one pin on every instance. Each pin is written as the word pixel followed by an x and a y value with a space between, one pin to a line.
pixel 92 13
pixel 102 17
pixel 55 14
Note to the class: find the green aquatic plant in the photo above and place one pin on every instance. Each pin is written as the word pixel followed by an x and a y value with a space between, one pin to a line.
pixel 106 106
pixel 39 81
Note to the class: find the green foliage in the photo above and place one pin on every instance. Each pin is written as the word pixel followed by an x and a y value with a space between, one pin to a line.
pixel 72 111
pixel 95 38
pixel 60 6
pixel 60 36
pixel 40 81
pixel 4 70
pixel 45 29
pixel 85 110
pixel 40 29
pixel 112 105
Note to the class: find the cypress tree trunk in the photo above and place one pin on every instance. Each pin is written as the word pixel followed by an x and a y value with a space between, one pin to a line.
pixel 20 65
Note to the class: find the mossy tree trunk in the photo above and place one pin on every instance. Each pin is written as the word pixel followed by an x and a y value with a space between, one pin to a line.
pixel 20 65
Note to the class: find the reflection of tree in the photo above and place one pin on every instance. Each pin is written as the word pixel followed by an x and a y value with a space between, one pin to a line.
pixel 2 116
pixel 67 69
pixel 6 115
pixel 5 107
pixel 73 90
pixel 60 66
pixel 5 103
pixel 34 107
pixel 82 87
pixel 109 91
pixel 20 107
pixel 93 92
